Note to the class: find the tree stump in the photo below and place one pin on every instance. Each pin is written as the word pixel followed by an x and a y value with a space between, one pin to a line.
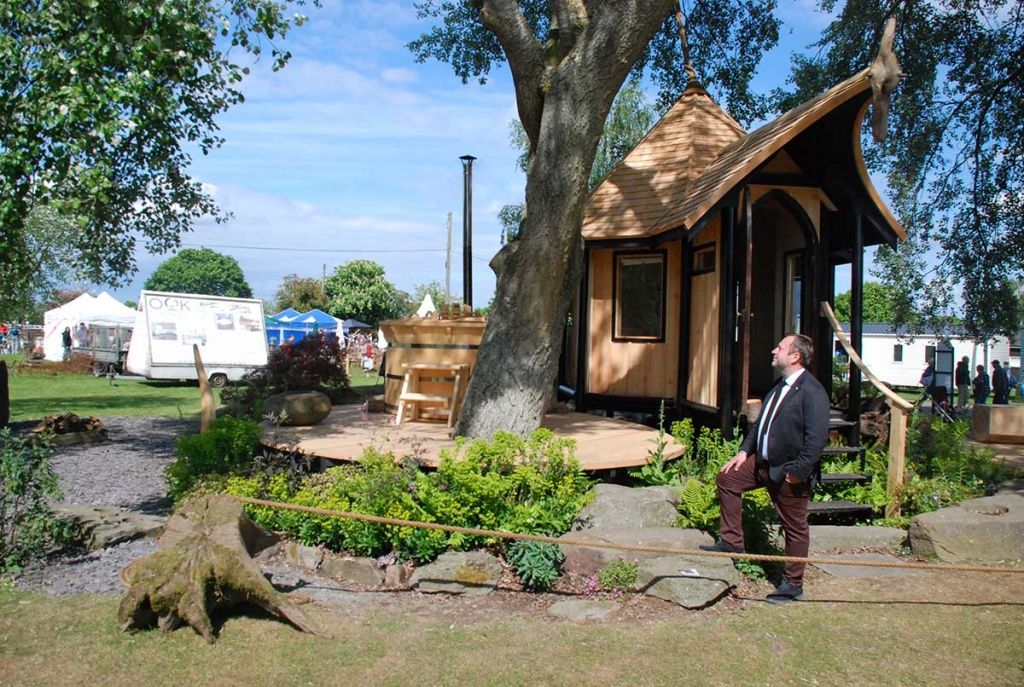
pixel 204 564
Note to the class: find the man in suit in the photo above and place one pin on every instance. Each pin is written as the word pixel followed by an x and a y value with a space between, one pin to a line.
pixel 780 452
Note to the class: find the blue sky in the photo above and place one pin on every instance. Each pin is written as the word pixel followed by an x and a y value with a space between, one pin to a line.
pixel 352 151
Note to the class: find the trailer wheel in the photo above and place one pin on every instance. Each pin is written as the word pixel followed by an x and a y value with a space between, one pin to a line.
pixel 218 380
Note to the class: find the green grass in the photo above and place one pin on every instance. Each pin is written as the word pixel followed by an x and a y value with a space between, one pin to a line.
pixel 35 395
pixel 835 641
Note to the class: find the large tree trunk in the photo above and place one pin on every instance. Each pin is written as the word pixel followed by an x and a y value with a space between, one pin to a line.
pixel 564 96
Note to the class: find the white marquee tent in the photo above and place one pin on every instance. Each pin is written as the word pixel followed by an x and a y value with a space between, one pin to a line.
pixel 102 310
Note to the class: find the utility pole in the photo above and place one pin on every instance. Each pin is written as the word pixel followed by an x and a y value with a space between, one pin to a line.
pixel 448 267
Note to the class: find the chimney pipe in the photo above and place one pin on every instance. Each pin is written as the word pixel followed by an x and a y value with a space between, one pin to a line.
pixel 467 229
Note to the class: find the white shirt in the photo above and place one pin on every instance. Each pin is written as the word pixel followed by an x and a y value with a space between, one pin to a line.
pixel 770 412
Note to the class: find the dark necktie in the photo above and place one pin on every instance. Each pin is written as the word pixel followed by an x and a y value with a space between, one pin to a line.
pixel 771 408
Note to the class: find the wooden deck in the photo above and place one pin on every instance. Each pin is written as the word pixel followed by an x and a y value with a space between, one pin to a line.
pixel 601 443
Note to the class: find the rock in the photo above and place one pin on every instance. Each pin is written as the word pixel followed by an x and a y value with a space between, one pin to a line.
pixel 858 571
pixel 583 609
pixel 308 557
pixel 459 572
pixel 836 537
pixel 990 528
pixel 104 526
pixel 1012 486
pixel 689 582
pixel 615 506
pixel 580 560
pixel 397 577
pixel 298 408
pixel 363 571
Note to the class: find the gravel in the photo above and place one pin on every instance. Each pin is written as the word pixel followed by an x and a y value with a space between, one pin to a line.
pixel 125 471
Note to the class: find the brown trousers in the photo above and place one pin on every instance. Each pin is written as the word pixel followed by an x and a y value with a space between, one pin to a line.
pixel 790 502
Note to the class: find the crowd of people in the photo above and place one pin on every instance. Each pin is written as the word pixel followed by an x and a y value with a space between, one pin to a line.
pixel 1001 384
pixel 10 337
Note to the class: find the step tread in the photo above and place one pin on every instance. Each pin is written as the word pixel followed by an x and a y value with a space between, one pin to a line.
pixel 416 396
pixel 841 450
pixel 832 477
pixel 838 507
pixel 837 422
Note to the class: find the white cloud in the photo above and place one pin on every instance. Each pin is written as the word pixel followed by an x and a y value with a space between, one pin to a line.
pixel 398 75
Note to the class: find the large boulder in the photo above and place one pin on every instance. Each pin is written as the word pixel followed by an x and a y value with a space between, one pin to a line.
pixel 615 506
pixel 990 528
pixel 586 560
pixel 459 572
pixel 690 582
pixel 362 571
pixel 100 527
pixel 302 408
pixel 838 537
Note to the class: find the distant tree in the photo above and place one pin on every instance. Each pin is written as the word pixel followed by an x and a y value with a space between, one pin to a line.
pixel 436 291
pixel 46 234
pixel 301 293
pixel 878 303
pixel 131 304
pixel 359 290
pixel 103 105
pixel 200 270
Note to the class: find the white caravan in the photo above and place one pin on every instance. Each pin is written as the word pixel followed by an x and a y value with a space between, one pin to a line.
pixel 230 333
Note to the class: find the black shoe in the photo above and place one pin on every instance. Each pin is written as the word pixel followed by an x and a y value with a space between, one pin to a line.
pixel 785 593
pixel 721 546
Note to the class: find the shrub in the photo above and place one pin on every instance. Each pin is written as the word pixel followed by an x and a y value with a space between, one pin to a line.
pixel 27 482
pixel 618 576
pixel 532 486
pixel 536 563
pixel 314 364
pixel 227 447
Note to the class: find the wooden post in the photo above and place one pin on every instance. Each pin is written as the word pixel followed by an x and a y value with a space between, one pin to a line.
pixel 897 459
pixel 5 395
pixel 745 298
pixel 205 393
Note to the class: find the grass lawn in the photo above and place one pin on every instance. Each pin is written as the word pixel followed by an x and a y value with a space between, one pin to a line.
pixel 966 631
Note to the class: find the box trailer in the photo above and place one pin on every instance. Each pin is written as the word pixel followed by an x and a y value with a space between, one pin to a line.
pixel 230 334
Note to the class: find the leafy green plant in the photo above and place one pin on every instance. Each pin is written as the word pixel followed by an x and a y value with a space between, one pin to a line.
pixel 655 472
pixel 536 563
pixel 226 448
pixel 618 576
pixel 27 484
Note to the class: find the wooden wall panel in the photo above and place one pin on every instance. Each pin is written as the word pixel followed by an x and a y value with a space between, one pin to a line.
pixel 702 386
pixel 636 369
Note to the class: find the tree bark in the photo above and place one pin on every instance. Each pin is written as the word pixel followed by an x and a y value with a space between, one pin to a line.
pixel 539 273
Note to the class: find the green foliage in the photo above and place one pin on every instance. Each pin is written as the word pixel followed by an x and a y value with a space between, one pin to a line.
pixel 655 472
pixel 228 446
pixel 532 486
pixel 101 104
pixel 27 484
pixel 618 576
pixel 202 271
pixel 358 289
pixel 536 563
pixel 302 293
pixel 435 290
pixel 877 306
pixel 48 237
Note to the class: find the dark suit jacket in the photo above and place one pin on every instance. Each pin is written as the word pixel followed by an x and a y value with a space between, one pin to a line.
pixel 799 431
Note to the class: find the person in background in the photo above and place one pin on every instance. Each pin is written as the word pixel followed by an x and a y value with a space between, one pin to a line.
pixel 1011 380
pixel 65 339
pixel 963 383
pixel 981 386
pixel 15 338
pixel 1000 384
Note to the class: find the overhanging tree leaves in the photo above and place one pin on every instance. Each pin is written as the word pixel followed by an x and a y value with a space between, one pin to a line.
pixel 955 156
pixel 202 271
pixel 100 103
pixel 568 59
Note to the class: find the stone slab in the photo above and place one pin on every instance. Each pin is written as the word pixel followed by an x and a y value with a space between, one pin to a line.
pixel 459 572
pixel 689 582
pixel 362 571
pixel 859 571
pixel 616 506
pixel 583 609
pixel 585 560
pixel 989 529
pixel 838 538
pixel 103 526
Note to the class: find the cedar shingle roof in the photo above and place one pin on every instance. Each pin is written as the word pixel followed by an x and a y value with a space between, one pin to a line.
pixel 693 157
pixel 655 175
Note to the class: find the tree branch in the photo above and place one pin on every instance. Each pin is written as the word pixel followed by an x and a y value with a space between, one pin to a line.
pixel 525 58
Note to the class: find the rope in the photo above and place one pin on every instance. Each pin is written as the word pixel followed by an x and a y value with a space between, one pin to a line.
pixel 397 522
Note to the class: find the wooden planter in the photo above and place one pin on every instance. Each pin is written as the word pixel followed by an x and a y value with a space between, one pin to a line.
pixel 415 341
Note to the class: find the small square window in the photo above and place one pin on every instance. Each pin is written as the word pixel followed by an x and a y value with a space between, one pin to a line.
pixel 703 259
pixel 897 353
pixel 639 297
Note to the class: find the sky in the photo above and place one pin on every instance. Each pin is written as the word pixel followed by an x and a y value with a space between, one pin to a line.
pixel 352 152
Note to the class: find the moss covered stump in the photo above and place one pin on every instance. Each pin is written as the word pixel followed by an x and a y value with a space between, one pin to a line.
pixel 204 564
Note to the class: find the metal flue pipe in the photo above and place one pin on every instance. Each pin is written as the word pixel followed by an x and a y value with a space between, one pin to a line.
pixel 467 229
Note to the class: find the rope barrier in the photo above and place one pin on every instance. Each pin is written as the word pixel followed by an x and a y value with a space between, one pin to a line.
pixel 498 534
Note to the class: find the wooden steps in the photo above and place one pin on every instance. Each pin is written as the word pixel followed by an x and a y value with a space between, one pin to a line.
pixel 839 477
pixel 836 509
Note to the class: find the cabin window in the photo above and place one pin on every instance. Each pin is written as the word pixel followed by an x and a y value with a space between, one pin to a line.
pixel 703 259
pixel 929 354
pixel 639 309
pixel 897 353
pixel 794 290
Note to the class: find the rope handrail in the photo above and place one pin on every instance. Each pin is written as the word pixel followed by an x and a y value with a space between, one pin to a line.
pixel 894 398
pixel 499 534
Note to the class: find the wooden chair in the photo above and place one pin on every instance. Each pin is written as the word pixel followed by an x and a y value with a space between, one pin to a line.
pixel 446 393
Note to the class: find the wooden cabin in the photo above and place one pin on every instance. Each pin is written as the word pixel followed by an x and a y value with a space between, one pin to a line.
pixel 706 244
